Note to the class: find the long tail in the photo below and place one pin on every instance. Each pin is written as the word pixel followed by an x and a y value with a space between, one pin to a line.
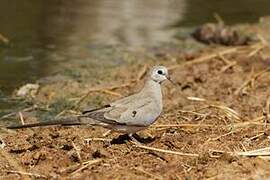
pixel 63 122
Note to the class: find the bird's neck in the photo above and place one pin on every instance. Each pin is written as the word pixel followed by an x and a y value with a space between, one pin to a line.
pixel 152 88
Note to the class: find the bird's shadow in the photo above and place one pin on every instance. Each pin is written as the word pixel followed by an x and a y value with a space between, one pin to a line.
pixel 122 139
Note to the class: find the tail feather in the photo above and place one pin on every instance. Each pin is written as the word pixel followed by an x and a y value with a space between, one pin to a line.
pixel 63 122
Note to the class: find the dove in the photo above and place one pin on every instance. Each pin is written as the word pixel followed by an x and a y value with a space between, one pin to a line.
pixel 127 115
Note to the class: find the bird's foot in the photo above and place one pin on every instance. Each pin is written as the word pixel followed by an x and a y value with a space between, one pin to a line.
pixel 134 140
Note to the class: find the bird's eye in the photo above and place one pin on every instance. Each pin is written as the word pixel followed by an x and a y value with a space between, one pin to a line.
pixel 160 72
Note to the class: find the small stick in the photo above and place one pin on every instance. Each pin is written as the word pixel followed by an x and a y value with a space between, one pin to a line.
pixel 258 119
pixel 228 111
pixel 223 135
pixel 72 168
pixel 193 112
pixel 106 133
pixel 147 173
pixel 14 113
pixel 249 123
pixel 61 113
pixel 166 151
pixel 27 173
pixel 262 39
pixel 183 125
pixel 77 151
pixel 256 136
pixel 228 66
pixel 205 58
pixel 224 59
pixel 257 152
pixel 243 147
pixel 21 117
pixel 257 50
pixel 251 80
pixel 4 39
pixel 192 98
pixel 260 45
pixel 69 169
pixel 235 125
pixel 85 165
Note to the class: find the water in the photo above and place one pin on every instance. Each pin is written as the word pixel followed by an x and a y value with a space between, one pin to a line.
pixel 45 33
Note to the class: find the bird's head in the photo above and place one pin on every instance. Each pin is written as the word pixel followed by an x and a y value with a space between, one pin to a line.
pixel 159 74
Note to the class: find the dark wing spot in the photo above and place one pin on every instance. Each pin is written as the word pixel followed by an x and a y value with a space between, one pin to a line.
pixel 134 113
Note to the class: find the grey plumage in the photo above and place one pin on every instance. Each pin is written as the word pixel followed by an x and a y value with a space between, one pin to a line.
pixel 128 115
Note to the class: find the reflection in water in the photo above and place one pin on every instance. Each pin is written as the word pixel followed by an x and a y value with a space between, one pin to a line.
pixel 43 32
pixel 46 32
pixel 133 22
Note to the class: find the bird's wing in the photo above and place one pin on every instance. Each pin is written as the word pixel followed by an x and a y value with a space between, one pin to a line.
pixel 141 112
pixel 99 115
pixel 121 113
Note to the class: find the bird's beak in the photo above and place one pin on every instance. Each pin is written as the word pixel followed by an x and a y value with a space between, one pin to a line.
pixel 169 78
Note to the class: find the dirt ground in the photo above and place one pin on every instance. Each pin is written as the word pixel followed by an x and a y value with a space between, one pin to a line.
pixel 217 110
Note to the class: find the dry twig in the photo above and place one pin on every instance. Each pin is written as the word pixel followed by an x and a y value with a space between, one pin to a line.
pixel 228 63
pixel 147 173
pixel 256 136
pixel 23 110
pixel 228 66
pixel 182 125
pixel 106 133
pixel 249 123
pixel 259 46
pixel 250 81
pixel 167 151
pixel 28 174
pixel 4 39
pixel 85 165
pixel 257 152
pixel 229 112
pixel 205 58
pixel 21 117
pixel 223 135
pixel 77 151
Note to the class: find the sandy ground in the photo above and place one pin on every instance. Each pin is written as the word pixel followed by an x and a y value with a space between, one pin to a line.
pixel 217 110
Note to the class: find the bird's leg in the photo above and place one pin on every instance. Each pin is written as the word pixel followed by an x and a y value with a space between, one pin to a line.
pixel 135 141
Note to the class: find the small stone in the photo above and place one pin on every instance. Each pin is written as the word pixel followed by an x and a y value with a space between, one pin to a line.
pixel 28 90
